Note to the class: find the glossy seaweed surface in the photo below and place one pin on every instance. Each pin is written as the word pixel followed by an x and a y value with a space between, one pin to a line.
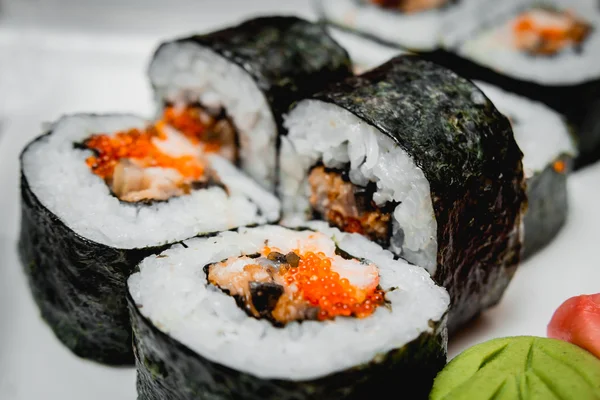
pixel 467 152
pixel 547 207
pixel 167 369
pixel 78 284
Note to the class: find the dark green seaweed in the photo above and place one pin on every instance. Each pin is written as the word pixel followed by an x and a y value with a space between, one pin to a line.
pixel 167 369
pixel 579 103
pixel 547 206
pixel 467 152
pixel 78 284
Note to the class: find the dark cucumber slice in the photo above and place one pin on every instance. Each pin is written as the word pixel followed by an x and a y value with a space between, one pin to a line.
pixel 78 284
pixel 547 205
pixel 467 151
pixel 287 57
pixel 167 369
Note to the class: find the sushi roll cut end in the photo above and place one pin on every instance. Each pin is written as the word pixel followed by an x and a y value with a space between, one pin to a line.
pixel 164 159
pixel 412 25
pixel 307 310
pixel 547 32
pixel 299 285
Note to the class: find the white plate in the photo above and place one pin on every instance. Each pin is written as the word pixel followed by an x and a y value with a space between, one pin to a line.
pixel 46 72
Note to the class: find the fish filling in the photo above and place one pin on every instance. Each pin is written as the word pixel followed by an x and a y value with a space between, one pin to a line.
pixel 546 32
pixel 166 158
pixel 347 206
pixel 410 6
pixel 299 286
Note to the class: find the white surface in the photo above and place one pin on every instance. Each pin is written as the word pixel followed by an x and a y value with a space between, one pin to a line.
pixel 45 72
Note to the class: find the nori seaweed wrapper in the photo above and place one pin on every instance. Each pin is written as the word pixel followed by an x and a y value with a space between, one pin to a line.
pixel 78 285
pixel 578 103
pixel 286 56
pixel 547 205
pixel 167 369
pixel 466 149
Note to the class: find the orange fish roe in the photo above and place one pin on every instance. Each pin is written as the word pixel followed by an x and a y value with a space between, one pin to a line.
pixel 547 38
pixel 559 166
pixel 137 145
pixel 185 120
pixel 322 287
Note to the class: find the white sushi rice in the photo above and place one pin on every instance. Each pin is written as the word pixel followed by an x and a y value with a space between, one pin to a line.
pixel 174 294
pixel 58 175
pixel 319 131
pixel 481 31
pixel 540 132
pixel 188 73
pixel 415 31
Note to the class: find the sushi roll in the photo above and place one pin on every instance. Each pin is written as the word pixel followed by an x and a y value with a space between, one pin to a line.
pixel 415 25
pixel 277 313
pixel 251 73
pixel 101 192
pixel 548 151
pixel 546 51
pixel 416 158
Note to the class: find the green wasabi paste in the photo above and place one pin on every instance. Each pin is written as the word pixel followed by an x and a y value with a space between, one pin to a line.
pixel 521 367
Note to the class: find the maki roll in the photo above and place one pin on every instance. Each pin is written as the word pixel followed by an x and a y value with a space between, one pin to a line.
pixel 277 313
pixel 545 51
pixel 416 158
pixel 101 192
pixel 415 25
pixel 251 73
pixel 548 151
